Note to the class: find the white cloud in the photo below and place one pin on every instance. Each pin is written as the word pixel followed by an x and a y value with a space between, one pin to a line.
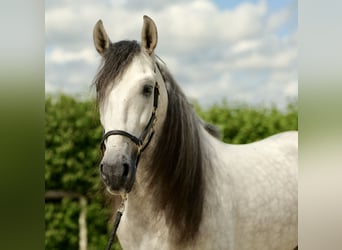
pixel 50 88
pixel 213 53
pixel 257 60
pixel 278 19
pixel 291 88
pixel 61 56
pixel 244 46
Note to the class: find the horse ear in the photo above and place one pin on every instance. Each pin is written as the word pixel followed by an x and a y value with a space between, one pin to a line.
pixel 101 39
pixel 149 35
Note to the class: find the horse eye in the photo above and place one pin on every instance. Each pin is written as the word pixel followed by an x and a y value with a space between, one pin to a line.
pixel 147 90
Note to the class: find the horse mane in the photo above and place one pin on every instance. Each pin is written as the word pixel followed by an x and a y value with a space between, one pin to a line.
pixel 176 171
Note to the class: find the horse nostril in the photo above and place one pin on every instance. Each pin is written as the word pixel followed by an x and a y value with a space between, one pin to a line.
pixel 126 170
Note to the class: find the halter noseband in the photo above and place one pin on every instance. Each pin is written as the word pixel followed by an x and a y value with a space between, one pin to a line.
pixel 147 134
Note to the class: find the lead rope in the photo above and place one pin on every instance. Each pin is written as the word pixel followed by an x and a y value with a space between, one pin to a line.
pixel 119 213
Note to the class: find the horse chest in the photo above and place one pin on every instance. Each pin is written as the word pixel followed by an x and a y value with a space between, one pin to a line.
pixel 137 231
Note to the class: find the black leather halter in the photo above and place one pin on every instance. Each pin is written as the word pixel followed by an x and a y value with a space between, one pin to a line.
pixel 147 134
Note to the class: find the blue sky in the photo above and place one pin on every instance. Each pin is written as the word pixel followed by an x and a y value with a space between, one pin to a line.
pixel 230 4
pixel 273 6
pixel 241 51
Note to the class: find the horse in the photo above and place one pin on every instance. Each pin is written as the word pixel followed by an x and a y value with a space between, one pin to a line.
pixel 185 188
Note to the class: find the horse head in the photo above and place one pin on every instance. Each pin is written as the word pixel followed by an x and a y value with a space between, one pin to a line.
pixel 128 86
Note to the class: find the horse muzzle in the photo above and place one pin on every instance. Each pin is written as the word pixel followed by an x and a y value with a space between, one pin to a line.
pixel 118 174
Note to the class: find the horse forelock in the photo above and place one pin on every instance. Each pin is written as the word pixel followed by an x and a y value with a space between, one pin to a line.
pixel 114 62
pixel 177 165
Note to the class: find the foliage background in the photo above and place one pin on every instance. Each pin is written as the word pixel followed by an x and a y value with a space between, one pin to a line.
pixel 72 136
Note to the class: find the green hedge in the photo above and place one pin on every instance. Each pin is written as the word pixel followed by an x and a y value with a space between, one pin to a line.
pixel 72 140
pixel 241 123
pixel 73 133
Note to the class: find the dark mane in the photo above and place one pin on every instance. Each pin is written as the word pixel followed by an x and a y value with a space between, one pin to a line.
pixel 115 60
pixel 178 163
